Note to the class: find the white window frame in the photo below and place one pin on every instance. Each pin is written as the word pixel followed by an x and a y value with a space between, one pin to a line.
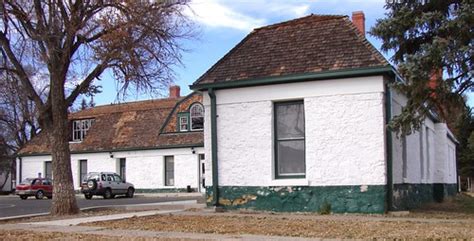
pixel 170 179
pixel 194 114
pixel 276 140
pixel 80 128
pixel 185 122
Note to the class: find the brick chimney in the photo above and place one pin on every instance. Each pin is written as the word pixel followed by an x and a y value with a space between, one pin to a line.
pixel 435 78
pixel 175 91
pixel 358 19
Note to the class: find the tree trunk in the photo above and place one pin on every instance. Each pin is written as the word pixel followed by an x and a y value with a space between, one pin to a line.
pixel 64 198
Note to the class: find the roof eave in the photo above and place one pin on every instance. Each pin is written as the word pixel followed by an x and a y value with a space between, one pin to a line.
pixel 323 75
pixel 119 149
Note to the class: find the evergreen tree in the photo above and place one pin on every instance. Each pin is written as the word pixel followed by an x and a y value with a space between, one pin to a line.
pixel 430 39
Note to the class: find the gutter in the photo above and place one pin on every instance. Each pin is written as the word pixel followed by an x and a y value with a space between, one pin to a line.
pixel 215 174
pixel 122 149
pixel 388 147
pixel 322 75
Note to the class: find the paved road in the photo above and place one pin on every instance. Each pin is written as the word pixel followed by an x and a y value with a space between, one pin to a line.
pixel 14 206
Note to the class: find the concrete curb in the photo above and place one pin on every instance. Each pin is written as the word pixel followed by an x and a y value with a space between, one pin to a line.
pixel 172 205
pixel 77 221
pixel 80 195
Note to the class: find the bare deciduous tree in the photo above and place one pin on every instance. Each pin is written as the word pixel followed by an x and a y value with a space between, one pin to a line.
pixel 18 122
pixel 72 43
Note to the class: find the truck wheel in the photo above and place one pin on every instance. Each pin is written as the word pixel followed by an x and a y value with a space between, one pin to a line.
pixel 108 194
pixel 130 192
pixel 39 194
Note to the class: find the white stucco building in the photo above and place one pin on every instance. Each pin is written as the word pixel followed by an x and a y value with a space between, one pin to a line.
pixel 296 120
pixel 157 145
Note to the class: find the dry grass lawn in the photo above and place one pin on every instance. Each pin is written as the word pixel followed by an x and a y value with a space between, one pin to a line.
pixel 303 225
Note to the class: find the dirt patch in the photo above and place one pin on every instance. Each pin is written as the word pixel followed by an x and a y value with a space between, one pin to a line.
pixel 23 235
pixel 458 207
pixel 293 226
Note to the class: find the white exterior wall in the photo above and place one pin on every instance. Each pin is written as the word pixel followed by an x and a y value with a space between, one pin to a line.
pixel 433 165
pixel 145 169
pixel 445 156
pixel 344 132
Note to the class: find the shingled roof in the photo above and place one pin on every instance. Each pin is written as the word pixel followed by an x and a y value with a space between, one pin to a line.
pixel 311 44
pixel 128 126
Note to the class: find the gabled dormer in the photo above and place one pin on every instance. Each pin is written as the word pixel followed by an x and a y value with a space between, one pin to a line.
pixel 187 115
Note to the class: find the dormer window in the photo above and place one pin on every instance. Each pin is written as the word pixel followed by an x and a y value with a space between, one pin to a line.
pixel 196 113
pixel 183 121
pixel 80 128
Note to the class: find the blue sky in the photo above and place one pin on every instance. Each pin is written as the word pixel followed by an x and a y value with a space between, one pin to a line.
pixel 222 24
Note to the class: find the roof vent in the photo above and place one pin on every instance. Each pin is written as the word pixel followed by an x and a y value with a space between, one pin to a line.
pixel 358 19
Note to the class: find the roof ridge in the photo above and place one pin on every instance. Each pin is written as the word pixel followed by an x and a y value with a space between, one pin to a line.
pixel 132 102
pixel 127 103
pixel 366 42
pixel 236 47
pixel 324 17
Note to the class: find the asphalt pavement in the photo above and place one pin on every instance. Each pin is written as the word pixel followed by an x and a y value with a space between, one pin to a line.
pixel 14 206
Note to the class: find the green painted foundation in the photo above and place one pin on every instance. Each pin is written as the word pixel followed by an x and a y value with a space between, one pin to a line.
pixel 408 196
pixel 338 199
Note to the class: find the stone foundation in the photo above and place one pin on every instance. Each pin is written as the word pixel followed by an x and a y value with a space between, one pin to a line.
pixel 340 199
pixel 408 196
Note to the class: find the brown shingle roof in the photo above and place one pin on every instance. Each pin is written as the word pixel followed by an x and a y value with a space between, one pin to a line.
pixel 134 125
pixel 310 44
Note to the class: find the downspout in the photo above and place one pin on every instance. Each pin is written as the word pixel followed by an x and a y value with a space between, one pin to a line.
pixel 388 142
pixel 215 174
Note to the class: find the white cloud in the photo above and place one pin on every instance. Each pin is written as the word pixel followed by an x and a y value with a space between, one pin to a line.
pixel 244 15
pixel 214 14
pixel 293 10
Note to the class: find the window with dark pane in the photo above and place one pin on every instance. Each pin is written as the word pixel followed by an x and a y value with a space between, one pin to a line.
pixel 80 128
pixel 122 168
pixel 169 171
pixel 48 170
pixel 289 139
pixel 196 113
pixel 82 169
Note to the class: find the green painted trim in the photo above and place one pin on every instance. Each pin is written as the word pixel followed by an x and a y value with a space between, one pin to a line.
pixel 275 140
pixel 215 174
pixel 341 199
pixel 123 149
pixel 183 114
pixel 173 110
pixel 407 196
pixel 330 74
pixel 389 151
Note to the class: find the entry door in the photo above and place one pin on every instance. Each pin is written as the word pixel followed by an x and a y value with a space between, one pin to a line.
pixel 202 171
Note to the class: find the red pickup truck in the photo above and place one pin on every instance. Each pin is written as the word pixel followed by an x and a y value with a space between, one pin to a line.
pixel 38 187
